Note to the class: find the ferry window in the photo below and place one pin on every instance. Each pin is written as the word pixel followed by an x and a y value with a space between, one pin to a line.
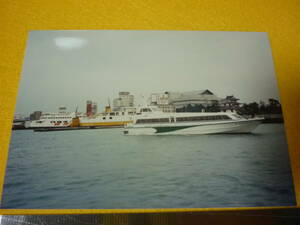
pixel 110 117
pixel 156 120
pixel 117 113
pixel 145 110
pixel 112 114
pixel 123 113
pixel 163 120
pixel 103 118
pixel 195 118
pixel 65 121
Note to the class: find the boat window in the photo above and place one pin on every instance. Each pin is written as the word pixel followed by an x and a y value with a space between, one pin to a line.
pixel 103 118
pixel 110 117
pixel 123 113
pixel 202 118
pixel 154 120
pixel 112 114
pixel 225 117
pixel 145 110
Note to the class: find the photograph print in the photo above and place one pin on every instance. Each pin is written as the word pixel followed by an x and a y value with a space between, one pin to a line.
pixel 109 119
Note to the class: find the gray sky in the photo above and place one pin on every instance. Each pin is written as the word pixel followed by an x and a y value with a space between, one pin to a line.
pixel 66 68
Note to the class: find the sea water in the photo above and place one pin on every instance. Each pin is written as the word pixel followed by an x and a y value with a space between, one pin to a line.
pixel 104 169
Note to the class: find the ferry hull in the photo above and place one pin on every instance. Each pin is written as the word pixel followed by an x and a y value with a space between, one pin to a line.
pixel 104 124
pixel 221 128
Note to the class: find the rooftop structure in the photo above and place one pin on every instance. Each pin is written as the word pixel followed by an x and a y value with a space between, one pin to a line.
pixel 229 103
pixel 177 100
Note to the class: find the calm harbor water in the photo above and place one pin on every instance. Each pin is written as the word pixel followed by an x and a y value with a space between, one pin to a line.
pixel 102 168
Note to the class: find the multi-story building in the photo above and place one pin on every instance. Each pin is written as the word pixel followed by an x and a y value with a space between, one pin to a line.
pixel 94 108
pixel 162 101
pixel 91 108
pixel 171 101
pixel 124 100
pixel 229 103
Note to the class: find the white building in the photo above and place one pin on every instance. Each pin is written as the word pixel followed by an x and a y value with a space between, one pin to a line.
pixel 162 101
pixel 170 101
pixel 125 99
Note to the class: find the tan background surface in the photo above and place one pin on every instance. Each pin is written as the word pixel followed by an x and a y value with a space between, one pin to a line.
pixel 280 18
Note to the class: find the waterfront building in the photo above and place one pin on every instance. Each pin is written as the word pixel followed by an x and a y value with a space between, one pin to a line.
pixel 230 103
pixel 171 101
pixel 91 108
pixel 89 105
pixel 161 100
pixel 94 108
pixel 125 99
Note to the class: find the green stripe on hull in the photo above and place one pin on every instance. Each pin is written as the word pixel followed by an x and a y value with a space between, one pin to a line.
pixel 170 129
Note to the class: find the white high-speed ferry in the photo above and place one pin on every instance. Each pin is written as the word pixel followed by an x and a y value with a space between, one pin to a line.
pixel 158 123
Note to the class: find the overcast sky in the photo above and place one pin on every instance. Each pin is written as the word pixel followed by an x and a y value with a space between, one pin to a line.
pixel 66 68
